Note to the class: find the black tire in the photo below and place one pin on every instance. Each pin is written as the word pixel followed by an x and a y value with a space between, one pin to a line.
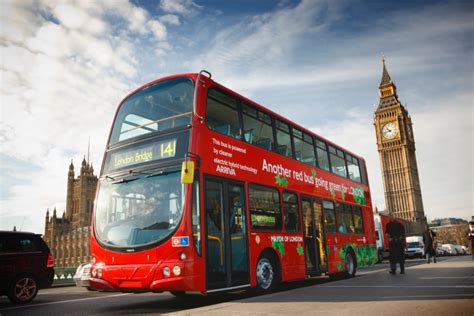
pixel 178 293
pixel 89 288
pixel 267 274
pixel 23 289
pixel 350 265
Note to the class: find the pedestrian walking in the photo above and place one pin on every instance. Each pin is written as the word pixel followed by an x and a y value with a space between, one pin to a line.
pixel 396 235
pixel 471 238
pixel 429 242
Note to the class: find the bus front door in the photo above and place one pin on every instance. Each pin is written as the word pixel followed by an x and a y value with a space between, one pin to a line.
pixel 314 240
pixel 226 231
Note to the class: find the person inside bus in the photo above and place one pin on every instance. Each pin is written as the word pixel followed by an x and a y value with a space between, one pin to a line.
pixel 396 235
pixel 214 217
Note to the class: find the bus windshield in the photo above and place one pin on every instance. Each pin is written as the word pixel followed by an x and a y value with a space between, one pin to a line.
pixel 157 107
pixel 138 210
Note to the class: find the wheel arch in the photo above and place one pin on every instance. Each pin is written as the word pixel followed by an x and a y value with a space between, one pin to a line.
pixel 273 256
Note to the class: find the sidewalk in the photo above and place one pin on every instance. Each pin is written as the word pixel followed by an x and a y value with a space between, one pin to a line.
pixel 445 288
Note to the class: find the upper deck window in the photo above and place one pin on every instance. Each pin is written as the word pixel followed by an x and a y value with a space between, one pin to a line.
pixel 283 139
pixel 157 107
pixel 338 163
pixel 353 168
pixel 221 113
pixel 257 127
pixel 304 149
pixel 322 155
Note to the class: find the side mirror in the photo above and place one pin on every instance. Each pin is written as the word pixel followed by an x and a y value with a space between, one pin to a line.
pixel 187 172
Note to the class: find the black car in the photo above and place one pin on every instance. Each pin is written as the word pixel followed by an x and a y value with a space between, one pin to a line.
pixel 26 265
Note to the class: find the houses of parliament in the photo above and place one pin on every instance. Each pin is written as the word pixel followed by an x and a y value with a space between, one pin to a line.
pixel 68 235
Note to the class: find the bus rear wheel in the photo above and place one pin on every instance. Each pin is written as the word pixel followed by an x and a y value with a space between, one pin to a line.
pixel 351 265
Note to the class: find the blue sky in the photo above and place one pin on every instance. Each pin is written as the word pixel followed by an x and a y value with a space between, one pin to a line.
pixel 66 64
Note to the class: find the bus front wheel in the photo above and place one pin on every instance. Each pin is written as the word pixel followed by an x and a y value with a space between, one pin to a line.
pixel 267 274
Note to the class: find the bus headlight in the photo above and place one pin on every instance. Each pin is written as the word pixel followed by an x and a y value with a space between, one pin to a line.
pixel 166 271
pixel 176 270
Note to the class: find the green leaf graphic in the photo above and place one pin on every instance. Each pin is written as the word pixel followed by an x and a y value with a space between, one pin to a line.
pixel 278 179
pixel 299 250
pixel 278 245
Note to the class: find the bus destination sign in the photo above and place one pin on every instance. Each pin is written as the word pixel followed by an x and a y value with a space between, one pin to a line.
pixel 156 151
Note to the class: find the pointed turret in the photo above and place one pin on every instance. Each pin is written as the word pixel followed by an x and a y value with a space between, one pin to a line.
pixel 385 76
pixel 71 169
pixel 387 89
pixel 84 165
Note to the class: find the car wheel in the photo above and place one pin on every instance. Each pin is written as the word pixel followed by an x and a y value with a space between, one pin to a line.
pixel 23 289
pixel 267 274
pixel 351 265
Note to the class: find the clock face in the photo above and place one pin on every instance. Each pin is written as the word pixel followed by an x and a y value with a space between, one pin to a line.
pixel 389 130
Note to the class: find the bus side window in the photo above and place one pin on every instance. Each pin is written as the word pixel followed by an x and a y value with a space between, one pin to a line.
pixel 257 127
pixel 329 217
pixel 283 139
pixel 304 149
pixel 291 213
pixel 265 210
pixel 353 168
pixel 338 163
pixel 322 155
pixel 222 115
pixel 358 220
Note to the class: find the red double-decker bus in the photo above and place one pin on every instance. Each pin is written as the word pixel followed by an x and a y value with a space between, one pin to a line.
pixel 203 190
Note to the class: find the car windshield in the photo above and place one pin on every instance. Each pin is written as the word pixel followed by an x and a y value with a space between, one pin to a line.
pixel 157 107
pixel 415 244
pixel 138 210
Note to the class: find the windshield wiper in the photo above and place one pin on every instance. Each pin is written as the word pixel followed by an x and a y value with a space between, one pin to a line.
pixel 161 172
pixel 124 180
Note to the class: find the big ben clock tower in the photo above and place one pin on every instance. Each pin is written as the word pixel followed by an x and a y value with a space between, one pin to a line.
pixel 396 147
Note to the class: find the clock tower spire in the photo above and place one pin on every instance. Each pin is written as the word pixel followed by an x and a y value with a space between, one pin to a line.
pixel 396 147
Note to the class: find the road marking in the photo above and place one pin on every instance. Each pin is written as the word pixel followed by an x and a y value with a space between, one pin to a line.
pixel 428 296
pixel 66 301
pixel 403 286
pixel 360 272
pixel 432 278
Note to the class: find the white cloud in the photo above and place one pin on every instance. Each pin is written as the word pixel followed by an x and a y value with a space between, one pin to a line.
pixel 62 75
pixel 158 29
pixel 170 19
pixel 183 7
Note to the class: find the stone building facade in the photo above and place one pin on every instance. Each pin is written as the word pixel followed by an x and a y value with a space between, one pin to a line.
pixel 68 236
pixel 396 147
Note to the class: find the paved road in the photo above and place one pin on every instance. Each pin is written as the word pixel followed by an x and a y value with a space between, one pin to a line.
pixel 444 288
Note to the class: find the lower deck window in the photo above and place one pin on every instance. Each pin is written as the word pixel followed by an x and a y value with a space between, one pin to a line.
pixel 265 211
